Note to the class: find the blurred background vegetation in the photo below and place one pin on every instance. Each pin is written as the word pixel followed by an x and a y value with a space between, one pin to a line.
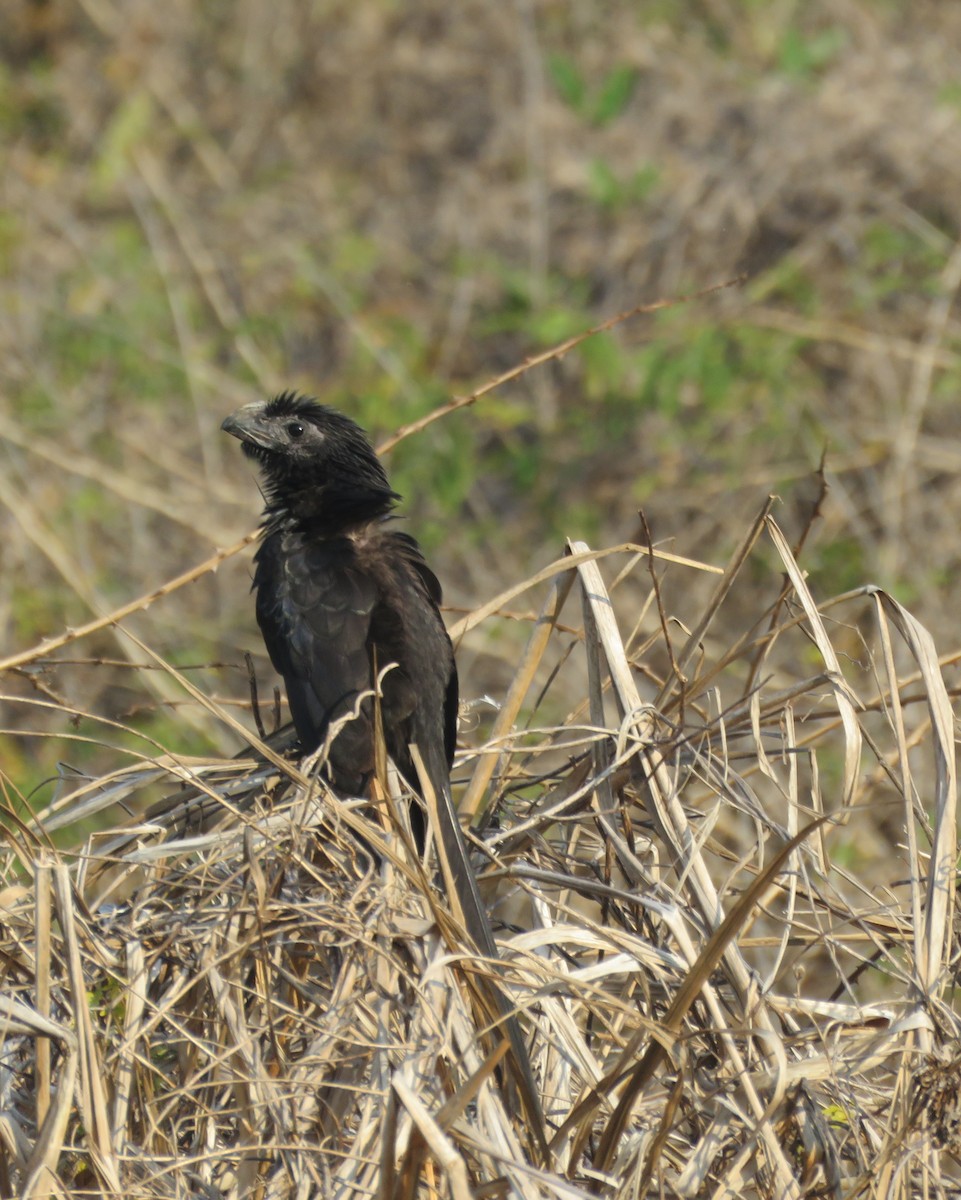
pixel 386 203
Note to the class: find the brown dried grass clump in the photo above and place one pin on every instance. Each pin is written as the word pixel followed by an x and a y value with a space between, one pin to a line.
pixel 724 893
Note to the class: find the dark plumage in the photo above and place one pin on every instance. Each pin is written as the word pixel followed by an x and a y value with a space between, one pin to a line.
pixel 342 595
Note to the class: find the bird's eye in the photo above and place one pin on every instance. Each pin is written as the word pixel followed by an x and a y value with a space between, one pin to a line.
pixel 295 429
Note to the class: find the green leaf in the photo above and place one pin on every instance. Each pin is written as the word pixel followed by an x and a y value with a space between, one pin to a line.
pixel 605 188
pixel 568 80
pixel 803 56
pixel 555 325
pixel 614 95
pixel 644 181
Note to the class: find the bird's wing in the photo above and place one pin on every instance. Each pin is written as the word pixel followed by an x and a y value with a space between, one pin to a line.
pixel 409 549
pixel 314 609
pixel 423 577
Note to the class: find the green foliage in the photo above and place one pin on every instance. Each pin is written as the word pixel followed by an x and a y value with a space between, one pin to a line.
pixel 892 259
pixel 613 95
pixel 803 56
pixel 568 80
pixel 606 366
pixel 114 323
pixel 712 371
pixel 836 566
pixel 788 282
pixel 697 373
pixel 164 727
pixel 700 379
pixel 608 190
pixel 950 95
pixel 39 614
pixel 597 105
pixel 354 259
pixel 846 855
pixel 85 502
pixel 584 520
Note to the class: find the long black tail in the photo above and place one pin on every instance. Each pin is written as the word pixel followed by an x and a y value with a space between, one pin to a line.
pixel 462 886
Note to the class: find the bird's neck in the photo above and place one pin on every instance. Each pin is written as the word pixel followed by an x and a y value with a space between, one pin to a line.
pixel 327 512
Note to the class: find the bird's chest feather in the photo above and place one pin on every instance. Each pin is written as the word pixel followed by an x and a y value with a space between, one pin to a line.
pixel 328 598
pixel 314 586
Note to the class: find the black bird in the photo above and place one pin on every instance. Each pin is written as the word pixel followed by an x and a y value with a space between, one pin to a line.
pixel 342 595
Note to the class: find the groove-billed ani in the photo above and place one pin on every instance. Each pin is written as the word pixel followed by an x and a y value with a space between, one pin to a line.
pixel 341 596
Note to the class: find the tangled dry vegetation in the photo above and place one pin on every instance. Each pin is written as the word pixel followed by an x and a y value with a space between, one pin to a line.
pixel 255 989
pixel 714 815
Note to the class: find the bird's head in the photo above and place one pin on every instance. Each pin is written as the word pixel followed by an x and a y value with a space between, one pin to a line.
pixel 312 457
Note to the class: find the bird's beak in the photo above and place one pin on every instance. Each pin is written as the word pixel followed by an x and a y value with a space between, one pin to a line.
pixel 247 425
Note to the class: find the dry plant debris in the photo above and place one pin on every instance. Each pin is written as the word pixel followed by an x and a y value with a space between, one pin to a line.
pixel 255 989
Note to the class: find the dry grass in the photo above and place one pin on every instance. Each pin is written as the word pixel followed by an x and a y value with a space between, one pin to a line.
pixel 257 990
pixel 227 993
